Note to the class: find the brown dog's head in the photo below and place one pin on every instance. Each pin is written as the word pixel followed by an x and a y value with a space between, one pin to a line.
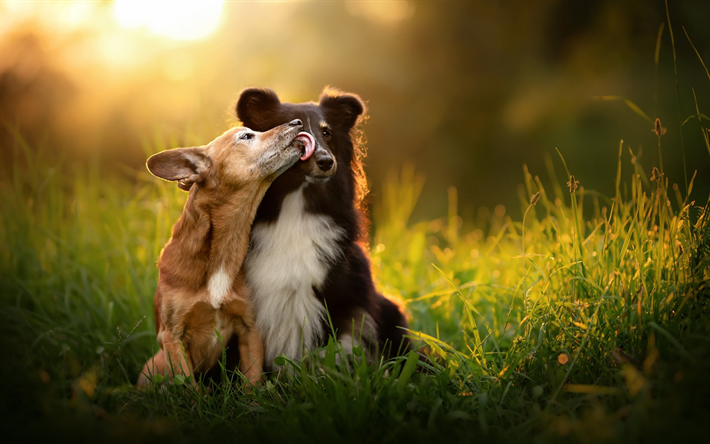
pixel 238 157
pixel 328 121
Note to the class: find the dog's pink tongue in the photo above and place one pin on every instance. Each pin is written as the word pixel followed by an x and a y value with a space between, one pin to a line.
pixel 309 142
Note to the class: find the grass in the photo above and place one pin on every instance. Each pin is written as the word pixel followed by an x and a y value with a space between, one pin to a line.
pixel 589 321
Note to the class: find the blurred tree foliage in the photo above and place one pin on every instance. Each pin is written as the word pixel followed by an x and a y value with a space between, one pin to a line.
pixel 466 91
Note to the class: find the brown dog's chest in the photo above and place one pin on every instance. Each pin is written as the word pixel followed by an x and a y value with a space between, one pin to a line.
pixel 196 322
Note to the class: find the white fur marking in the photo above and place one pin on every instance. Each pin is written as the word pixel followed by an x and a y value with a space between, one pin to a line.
pixel 218 287
pixel 347 343
pixel 289 258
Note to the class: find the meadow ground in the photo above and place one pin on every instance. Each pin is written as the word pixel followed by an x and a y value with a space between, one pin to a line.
pixel 586 321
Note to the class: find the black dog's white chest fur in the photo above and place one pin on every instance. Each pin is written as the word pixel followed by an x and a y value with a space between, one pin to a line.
pixel 306 252
pixel 289 257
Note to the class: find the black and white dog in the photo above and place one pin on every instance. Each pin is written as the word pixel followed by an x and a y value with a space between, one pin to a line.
pixel 306 249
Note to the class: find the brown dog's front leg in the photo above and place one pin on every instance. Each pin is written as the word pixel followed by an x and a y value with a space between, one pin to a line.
pixel 154 366
pixel 178 359
pixel 251 353
pixel 251 343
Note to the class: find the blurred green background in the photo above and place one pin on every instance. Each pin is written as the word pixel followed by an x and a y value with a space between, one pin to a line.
pixel 468 92
pixel 462 93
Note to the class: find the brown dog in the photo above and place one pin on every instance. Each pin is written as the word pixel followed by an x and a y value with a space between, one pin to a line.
pixel 201 286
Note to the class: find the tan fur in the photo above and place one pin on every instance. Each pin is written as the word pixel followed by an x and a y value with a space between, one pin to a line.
pixel 227 180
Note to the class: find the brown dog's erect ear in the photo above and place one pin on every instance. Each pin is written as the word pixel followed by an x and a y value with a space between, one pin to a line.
pixel 256 106
pixel 342 109
pixel 184 165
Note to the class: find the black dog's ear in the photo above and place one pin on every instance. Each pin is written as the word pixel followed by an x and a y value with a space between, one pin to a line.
pixel 184 165
pixel 256 107
pixel 343 109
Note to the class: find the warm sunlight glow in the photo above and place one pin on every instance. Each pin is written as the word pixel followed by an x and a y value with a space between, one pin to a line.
pixel 181 20
pixel 384 12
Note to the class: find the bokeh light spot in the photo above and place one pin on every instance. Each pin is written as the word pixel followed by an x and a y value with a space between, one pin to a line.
pixel 180 20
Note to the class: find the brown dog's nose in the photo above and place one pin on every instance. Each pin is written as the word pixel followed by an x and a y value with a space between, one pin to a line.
pixel 324 161
pixel 296 122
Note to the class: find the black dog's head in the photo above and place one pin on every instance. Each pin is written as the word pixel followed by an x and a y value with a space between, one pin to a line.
pixel 329 121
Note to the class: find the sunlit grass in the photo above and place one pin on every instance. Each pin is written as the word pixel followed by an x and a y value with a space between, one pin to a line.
pixel 589 321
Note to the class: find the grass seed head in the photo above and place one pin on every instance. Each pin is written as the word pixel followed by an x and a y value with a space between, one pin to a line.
pixel 656 175
pixel 535 198
pixel 658 128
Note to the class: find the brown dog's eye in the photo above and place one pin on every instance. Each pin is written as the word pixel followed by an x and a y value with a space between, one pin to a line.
pixel 246 136
pixel 326 133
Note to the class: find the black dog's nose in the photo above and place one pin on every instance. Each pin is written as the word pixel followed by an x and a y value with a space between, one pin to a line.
pixel 325 163
pixel 296 122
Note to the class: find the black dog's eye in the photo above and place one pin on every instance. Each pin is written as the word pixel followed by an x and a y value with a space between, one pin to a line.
pixel 326 133
pixel 246 136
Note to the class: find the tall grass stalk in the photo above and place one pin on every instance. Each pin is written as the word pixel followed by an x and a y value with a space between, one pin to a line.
pixel 578 349
pixel 677 89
